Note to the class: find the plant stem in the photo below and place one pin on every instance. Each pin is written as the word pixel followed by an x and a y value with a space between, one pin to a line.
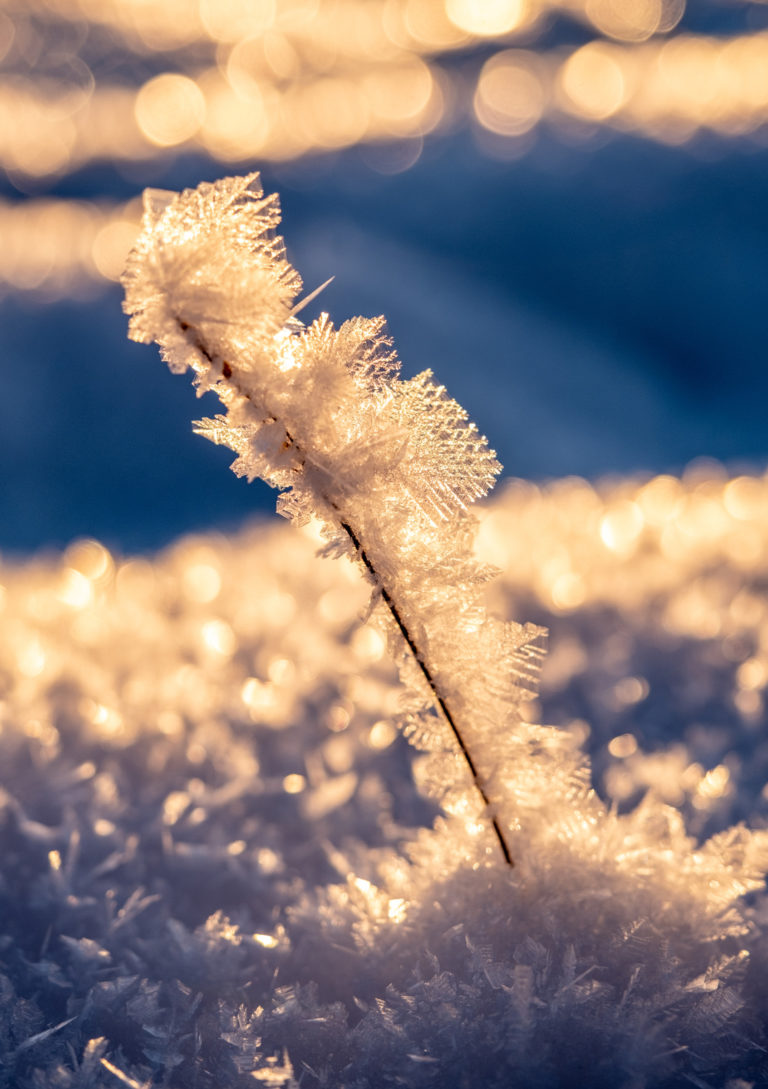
pixel 388 600
pixel 439 699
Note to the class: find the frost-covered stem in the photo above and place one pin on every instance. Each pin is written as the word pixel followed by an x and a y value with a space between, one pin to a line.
pixel 386 596
pixel 390 465
pixel 440 701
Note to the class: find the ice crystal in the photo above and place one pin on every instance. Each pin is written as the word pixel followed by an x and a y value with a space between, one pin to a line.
pixel 389 466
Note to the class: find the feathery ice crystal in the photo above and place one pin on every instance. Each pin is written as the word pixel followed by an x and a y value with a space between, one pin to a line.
pixel 389 467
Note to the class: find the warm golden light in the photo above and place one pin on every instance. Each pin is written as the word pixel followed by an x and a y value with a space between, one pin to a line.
pixel 334 113
pixel 398 98
pixel 568 591
pixel 753 673
pixel 267 941
pixel 76 590
pixel 633 20
pixel 202 582
pixel 509 98
pixel 382 735
pixel 368 644
pixel 630 690
pixel 714 784
pixel 623 746
pixel 90 558
pixel 744 499
pixel 231 20
pixel 111 247
pixel 397 909
pixel 219 638
pixel 620 527
pixel 237 120
pixel 169 109
pixel 256 694
pixel 593 82
pixel 660 499
pixel 422 23
pixel 486 18
pixel 278 79
pixel 31 658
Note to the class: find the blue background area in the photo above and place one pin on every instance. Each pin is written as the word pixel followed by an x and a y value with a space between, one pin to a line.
pixel 597 308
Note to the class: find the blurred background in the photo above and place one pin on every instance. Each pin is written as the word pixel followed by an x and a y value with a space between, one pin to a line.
pixel 559 206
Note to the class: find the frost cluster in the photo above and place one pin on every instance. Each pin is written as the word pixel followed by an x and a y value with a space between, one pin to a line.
pixel 389 466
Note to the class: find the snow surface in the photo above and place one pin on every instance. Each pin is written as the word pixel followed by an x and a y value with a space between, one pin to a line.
pixel 216 867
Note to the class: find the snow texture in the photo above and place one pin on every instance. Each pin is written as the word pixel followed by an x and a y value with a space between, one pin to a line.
pixel 216 868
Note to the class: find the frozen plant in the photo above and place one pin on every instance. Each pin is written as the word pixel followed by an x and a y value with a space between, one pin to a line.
pixel 618 952
pixel 389 466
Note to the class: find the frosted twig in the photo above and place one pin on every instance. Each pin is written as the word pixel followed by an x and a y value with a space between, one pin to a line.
pixel 386 596
pixel 389 466
pixel 408 639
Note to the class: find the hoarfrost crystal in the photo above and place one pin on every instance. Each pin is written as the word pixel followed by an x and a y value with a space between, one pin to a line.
pixel 389 466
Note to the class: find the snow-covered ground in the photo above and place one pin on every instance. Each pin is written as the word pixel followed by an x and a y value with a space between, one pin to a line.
pixel 217 867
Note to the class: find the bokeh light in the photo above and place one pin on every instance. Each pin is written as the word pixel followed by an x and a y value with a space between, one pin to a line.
pixel 86 82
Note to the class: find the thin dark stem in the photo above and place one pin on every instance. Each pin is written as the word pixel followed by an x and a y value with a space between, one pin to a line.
pixel 395 612
pixel 226 371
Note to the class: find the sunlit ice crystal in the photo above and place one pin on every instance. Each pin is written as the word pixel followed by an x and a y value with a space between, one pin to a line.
pixel 388 466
